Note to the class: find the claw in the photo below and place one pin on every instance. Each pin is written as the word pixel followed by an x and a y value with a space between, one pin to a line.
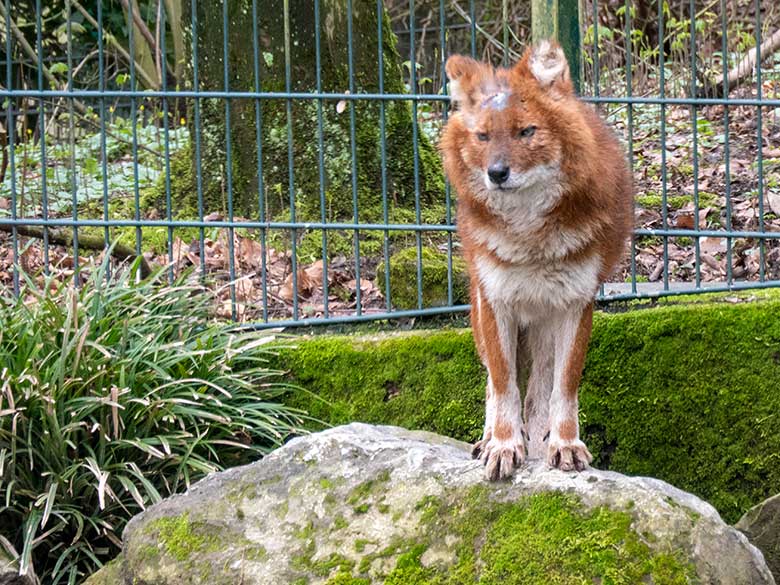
pixel 478 448
pixel 568 455
pixel 501 458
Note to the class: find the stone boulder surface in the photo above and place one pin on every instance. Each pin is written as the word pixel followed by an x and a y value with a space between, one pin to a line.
pixel 361 504
pixel 761 524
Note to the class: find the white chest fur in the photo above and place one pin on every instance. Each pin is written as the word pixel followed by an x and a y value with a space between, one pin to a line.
pixel 534 290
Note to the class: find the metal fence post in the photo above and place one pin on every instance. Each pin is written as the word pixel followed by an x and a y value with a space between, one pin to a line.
pixel 560 20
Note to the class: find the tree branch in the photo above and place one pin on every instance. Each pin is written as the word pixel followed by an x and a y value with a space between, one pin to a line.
pixel 62 237
pixel 34 56
pixel 743 69
pixel 140 24
pixel 148 80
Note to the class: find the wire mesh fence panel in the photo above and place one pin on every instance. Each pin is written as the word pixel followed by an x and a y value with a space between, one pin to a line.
pixel 284 151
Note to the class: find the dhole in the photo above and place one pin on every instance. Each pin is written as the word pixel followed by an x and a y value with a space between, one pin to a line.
pixel 544 212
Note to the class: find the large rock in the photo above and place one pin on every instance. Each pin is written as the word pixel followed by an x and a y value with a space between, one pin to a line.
pixel 761 524
pixel 360 504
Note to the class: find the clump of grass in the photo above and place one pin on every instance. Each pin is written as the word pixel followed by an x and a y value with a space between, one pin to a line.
pixel 112 396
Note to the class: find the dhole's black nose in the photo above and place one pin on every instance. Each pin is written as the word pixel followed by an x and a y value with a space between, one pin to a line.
pixel 498 173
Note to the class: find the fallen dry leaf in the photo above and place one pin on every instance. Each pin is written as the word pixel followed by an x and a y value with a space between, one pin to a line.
pixel 703 213
pixel 244 289
pixel 179 249
pixel 309 280
pixel 342 104
pixel 250 253
pixel 712 246
pixel 710 261
pixel 773 198
pixel 684 221
pixel 771 152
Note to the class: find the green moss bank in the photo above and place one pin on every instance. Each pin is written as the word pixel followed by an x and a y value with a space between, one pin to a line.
pixel 687 394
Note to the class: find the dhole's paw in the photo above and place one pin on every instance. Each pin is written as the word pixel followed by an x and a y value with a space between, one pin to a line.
pixel 568 455
pixel 500 457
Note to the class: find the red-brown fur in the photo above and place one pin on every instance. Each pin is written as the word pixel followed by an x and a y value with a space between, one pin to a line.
pixel 594 210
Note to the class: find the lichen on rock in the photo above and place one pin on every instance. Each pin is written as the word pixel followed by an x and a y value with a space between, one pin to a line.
pixel 361 504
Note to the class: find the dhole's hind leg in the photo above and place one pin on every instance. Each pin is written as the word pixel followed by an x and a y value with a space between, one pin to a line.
pixel 541 345
pixel 502 447
pixel 565 450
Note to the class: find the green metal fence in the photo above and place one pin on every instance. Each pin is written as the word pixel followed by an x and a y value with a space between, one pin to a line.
pixel 109 121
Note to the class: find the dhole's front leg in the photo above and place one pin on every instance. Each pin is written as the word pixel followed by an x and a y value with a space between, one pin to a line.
pixel 572 332
pixel 502 447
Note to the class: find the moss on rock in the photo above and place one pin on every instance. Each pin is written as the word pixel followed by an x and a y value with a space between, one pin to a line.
pixel 688 394
pixel 431 381
pixel 178 538
pixel 542 539
pixel 435 278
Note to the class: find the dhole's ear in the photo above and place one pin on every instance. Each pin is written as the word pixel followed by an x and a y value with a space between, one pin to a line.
pixel 547 64
pixel 462 73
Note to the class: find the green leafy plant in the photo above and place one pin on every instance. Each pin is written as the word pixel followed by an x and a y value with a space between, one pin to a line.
pixel 134 160
pixel 112 396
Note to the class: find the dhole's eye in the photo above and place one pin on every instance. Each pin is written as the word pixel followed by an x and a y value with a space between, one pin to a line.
pixel 482 136
pixel 527 132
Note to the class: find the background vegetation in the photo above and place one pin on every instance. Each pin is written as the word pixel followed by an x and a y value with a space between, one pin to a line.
pixel 113 396
pixel 145 164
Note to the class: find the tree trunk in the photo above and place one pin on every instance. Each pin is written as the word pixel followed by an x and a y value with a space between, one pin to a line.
pixel 173 9
pixel 335 119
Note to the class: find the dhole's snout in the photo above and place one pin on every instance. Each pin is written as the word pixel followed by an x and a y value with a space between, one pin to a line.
pixel 498 173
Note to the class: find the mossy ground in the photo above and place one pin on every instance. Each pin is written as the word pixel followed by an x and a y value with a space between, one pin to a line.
pixel 653 200
pixel 685 393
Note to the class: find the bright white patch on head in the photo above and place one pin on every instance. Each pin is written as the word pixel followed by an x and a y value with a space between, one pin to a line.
pixel 547 63
pixel 497 101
